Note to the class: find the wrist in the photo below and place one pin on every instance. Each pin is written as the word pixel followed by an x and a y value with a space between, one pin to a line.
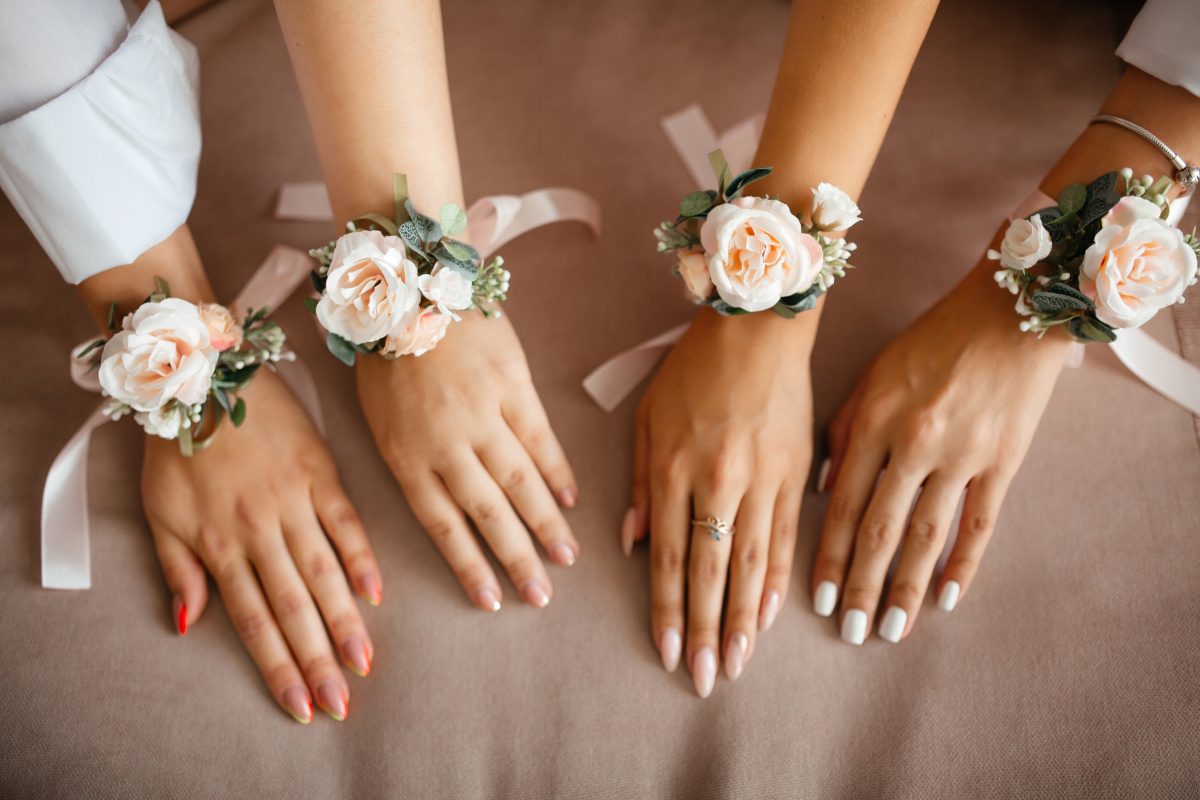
pixel 793 337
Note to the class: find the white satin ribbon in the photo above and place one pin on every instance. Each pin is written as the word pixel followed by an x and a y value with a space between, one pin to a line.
pixel 66 559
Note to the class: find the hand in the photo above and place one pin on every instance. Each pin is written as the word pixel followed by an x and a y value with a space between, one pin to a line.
pixel 724 430
pixel 462 429
pixel 949 406
pixel 259 510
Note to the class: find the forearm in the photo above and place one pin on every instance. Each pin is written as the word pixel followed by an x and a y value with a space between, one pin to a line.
pixel 374 83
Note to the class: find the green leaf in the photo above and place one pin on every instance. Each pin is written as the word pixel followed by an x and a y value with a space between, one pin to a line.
pixel 378 221
pixel 341 349
pixel 445 257
pixel 238 415
pixel 1053 302
pixel 1070 291
pixel 1105 183
pixel 720 168
pixel 1072 198
pixel 457 249
pixel 802 301
pixel 161 286
pixel 91 348
pixel 411 234
pixel 399 195
pixel 453 218
pixel 695 204
pixel 783 311
pixel 427 227
pixel 112 316
pixel 1090 329
pixel 745 179
pixel 222 397
pixel 311 304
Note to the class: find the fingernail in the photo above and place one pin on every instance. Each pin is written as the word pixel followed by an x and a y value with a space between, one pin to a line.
pixel 296 701
pixel 179 610
pixel 854 626
pixel 627 531
pixel 949 597
pixel 704 670
pixel 486 599
pixel 332 700
pixel 735 655
pixel 892 627
pixel 371 589
pixel 563 554
pixel 567 497
pixel 357 656
pixel 823 475
pixel 669 647
pixel 770 609
pixel 825 600
pixel 535 595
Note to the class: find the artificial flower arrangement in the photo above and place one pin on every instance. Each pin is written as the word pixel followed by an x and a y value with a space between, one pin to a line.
pixel 174 365
pixel 1098 261
pixel 740 254
pixel 393 286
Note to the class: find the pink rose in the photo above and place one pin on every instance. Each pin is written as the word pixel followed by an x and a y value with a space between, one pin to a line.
pixel 693 268
pixel 223 330
pixel 419 333
pixel 370 287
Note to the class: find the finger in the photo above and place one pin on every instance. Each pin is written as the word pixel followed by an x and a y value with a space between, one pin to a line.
pixel 634 526
pixel 874 546
pixel 477 493
pixel 528 421
pixel 847 500
pixel 341 522
pixel 782 551
pixel 319 567
pixel 923 543
pixel 185 577
pixel 708 571
pixel 251 617
pixel 837 437
pixel 747 573
pixel 297 616
pixel 669 515
pixel 446 525
pixel 511 467
pixel 985 494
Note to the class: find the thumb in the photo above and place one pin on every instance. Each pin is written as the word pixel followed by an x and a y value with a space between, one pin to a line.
pixel 185 578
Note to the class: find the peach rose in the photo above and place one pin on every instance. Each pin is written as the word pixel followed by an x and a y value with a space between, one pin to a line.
pixel 758 253
pixel 223 330
pixel 693 268
pixel 370 287
pixel 1137 265
pixel 162 352
pixel 419 333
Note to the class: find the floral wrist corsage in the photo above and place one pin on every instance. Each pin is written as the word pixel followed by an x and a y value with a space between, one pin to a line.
pixel 170 359
pixel 740 254
pixel 394 286
pixel 1099 260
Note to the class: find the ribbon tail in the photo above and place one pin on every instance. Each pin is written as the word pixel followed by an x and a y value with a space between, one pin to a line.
pixel 694 138
pixel 300 381
pixel 304 202
pixel 284 269
pixel 612 381
pixel 66 558
pixel 497 220
pixel 1160 368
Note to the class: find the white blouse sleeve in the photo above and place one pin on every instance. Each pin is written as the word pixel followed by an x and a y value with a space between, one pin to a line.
pixel 1164 41
pixel 100 138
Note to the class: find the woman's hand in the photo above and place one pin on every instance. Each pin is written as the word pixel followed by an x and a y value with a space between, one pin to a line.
pixel 262 509
pixel 725 430
pixel 464 432
pixel 950 406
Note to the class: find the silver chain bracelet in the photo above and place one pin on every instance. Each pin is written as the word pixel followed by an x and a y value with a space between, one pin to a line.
pixel 1188 177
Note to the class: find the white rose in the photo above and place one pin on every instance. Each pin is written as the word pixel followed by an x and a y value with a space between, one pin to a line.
pixel 162 353
pixel 419 333
pixel 693 268
pixel 757 253
pixel 370 287
pixel 1136 265
pixel 448 289
pixel 832 209
pixel 164 422
pixel 1026 242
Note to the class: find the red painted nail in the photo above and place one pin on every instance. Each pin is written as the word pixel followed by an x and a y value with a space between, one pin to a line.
pixel 180 615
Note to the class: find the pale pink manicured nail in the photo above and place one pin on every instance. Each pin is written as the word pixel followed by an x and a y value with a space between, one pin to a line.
pixel 627 531
pixel 332 700
pixel 295 700
pixel 563 554
pixel 567 497
pixel 670 645
pixel 770 609
pixel 535 594
pixel 735 655
pixel 704 670
pixel 486 598
pixel 357 656
pixel 371 590
pixel 823 476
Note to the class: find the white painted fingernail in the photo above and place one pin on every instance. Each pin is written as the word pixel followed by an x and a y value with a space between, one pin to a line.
pixel 892 627
pixel 949 597
pixel 735 655
pixel 823 475
pixel 704 671
pixel 770 610
pixel 854 626
pixel 825 599
pixel 669 647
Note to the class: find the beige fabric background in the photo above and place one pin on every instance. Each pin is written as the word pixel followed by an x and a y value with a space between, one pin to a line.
pixel 1071 670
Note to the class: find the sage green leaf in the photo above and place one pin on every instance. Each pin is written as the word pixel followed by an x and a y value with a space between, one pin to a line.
pixel 1072 198
pixel 745 179
pixel 373 220
pixel 720 168
pixel 457 249
pixel 446 258
pixel 311 304
pixel 472 253
pixel 161 286
pixel 1090 329
pixel 91 348
pixel 238 415
pixel 428 228
pixel 1070 291
pixel 341 349
pixel 112 316
pixel 399 195
pixel 783 311
pixel 1052 302
pixel 411 235
pixel 695 204
pixel 453 218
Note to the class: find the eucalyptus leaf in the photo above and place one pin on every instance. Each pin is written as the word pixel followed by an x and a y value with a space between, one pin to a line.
pixel 745 179
pixel 411 235
pixel 454 219
pixel 455 247
pixel 1072 198
pixel 341 349
pixel 1070 291
pixel 446 258
pixel 695 204
pixel 238 415
pixel 427 227
pixel 1052 302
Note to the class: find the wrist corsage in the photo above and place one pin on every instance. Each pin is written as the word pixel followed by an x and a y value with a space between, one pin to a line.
pixel 393 287
pixel 740 253
pixel 178 366
pixel 1102 259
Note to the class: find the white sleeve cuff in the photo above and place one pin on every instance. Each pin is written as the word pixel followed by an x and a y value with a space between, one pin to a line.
pixel 1164 41
pixel 107 170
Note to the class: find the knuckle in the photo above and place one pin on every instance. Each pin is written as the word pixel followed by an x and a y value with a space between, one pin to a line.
pixel 860 595
pixel 749 557
pixel 707 567
pixel 441 529
pixel 666 612
pixel 514 480
pixel 666 558
pixel 523 564
pixel 322 664
pixel 980 524
pixel 281 675
pixel 783 529
pixel 486 512
pixel 841 509
pixel 704 630
pixel 290 604
pixel 876 534
pixel 906 595
pixel 320 567
pixel 670 465
pixel 831 568
pixel 215 546
pixel 963 565
pixel 343 517
pixel 924 533
pixel 252 626
pixel 779 572
pixel 923 427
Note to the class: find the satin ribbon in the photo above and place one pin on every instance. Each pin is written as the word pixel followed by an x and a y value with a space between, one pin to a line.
pixel 66 551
